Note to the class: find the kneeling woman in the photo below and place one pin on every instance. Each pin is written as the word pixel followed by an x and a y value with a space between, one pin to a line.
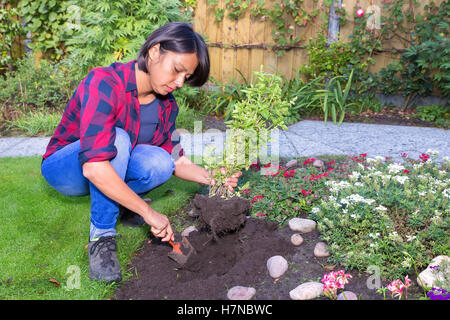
pixel 115 143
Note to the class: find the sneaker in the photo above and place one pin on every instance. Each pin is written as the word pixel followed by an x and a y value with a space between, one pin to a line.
pixel 103 263
pixel 130 218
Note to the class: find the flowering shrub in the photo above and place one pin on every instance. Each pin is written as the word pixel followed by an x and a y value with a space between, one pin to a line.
pixel 370 211
pixel 333 281
pixel 399 289
pixel 384 212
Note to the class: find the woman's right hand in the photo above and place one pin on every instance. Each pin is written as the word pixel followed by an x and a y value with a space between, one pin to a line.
pixel 159 225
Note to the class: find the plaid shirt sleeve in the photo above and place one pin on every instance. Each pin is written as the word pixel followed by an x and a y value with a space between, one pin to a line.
pixel 99 98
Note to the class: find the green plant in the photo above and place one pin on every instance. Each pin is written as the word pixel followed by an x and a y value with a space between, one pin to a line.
pixel 36 123
pixel 222 100
pixel 115 31
pixel 424 65
pixel 37 84
pixel 384 213
pixel 47 21
pixel 335 99
pixel 263 109
pixel 10 29
pixel 327 60
pixel 306 100
pixel 432 113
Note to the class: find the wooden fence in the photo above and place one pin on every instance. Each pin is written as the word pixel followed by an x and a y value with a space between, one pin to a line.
pixel 245 44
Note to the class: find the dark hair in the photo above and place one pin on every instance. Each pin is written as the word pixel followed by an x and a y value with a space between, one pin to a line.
pixel 178 37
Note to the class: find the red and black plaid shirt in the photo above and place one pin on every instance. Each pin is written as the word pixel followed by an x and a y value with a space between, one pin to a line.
pixel 107 98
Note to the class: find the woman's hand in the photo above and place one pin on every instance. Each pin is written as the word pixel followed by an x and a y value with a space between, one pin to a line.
pixel 160 225
pixel 230 182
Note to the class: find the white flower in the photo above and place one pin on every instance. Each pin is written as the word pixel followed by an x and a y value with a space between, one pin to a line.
pixel 371 160
pixel 354 176
pixel 422 194
pixel 395 168
pixel 358 184
pixel 410 238
pixel 446 159
pixel 379 158
pixel 446 193
pixel 401 179
pixel 381 208
pixel 315 210
pixel 432 152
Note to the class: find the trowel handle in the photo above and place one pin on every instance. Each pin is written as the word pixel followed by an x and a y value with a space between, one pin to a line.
pixel 176 247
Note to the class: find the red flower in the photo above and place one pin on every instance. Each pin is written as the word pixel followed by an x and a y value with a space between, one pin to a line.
pixel 256 198
pixel 406 171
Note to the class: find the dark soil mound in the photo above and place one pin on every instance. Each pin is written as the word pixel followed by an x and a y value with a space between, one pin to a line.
pixel 220 215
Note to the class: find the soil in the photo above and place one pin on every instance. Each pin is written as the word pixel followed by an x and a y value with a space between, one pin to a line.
pixel 235 258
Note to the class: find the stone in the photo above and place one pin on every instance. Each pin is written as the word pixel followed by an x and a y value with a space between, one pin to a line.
pixel 277 266
pixel 188 230
pixel 320 250
pixel 302 225
pixel 347 295
pixel 296 239
pixel 292 163
pixel 307 291
pixel 241 293
pixel 430 277
pixel 318 163
pixel 193 213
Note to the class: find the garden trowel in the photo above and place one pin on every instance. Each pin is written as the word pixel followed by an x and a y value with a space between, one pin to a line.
pixel 182 251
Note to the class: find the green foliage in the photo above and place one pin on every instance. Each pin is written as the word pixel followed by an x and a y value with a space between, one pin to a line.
pixel 425 64
pixel 329 61
pixel 113 31
pixel 47 22
pixel 434 113
pixel 10 28
pixel 382 215
pixel 36 123
pixel 335 99
pixel 43 85
pixel 263 109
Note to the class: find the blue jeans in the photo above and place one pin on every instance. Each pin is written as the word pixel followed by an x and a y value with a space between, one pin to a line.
pixel 143 169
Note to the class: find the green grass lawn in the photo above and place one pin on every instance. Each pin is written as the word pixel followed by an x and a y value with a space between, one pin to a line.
pixel 44 234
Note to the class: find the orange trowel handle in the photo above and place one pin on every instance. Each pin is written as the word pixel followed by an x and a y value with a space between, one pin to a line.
pixel 176 247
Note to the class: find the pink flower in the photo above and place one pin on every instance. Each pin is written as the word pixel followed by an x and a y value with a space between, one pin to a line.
pixel 333 281
pixel 398 289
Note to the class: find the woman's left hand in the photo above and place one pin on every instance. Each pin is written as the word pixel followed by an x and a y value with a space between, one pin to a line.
pixel 230 182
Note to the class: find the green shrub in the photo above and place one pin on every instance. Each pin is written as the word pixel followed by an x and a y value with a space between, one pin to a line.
pixel 42 85
pixel 434 113
pixel 113 31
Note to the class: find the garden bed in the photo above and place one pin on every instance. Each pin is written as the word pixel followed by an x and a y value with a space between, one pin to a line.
pixel 363 225
pixel 237 259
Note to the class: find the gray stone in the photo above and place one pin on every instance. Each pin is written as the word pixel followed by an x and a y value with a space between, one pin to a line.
pixel 320 250
pixel 193 213
pixel 291 163
pixel 188 230
pixel 277 266
pixel 241 293
pixel 430 277
pixel 302 225
pixel 307 291
pixel 318 163
pixel 296 239
pixel 347 295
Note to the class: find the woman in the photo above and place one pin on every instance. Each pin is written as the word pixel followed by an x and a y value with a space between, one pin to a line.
pixel 115 143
